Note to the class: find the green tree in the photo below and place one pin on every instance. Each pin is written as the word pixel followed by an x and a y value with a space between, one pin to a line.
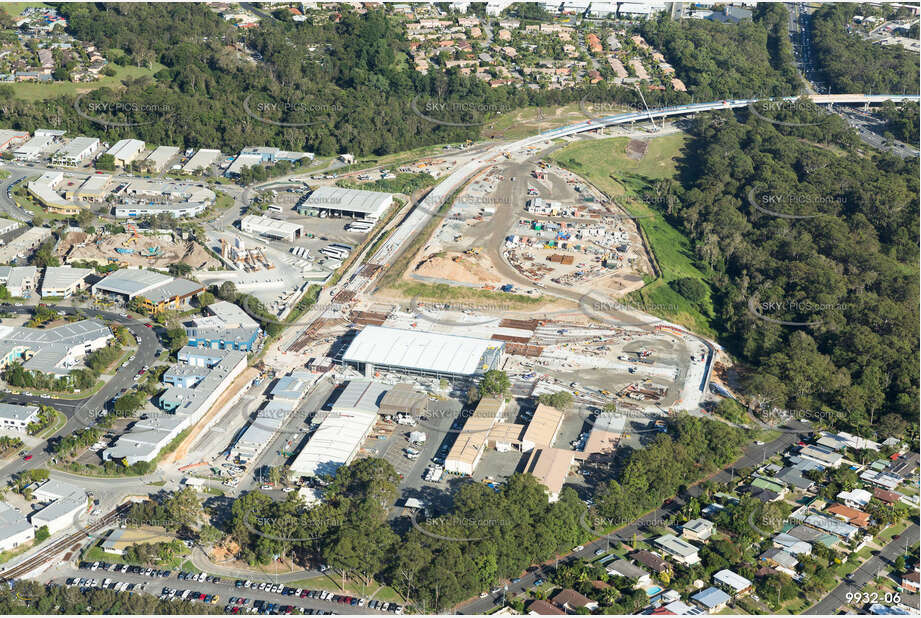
pixel 495 383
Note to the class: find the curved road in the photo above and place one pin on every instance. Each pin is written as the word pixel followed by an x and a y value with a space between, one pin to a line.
pixel 82 413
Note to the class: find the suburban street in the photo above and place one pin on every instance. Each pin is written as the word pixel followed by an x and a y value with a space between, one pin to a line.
pixel 867 572
pixel 753 456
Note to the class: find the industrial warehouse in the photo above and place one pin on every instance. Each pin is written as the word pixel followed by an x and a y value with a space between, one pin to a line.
pixel 338 202
pixel 154 292
pixel 422 353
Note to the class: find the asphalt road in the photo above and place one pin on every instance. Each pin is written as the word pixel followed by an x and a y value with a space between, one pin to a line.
pixel 866 573
pixel 752 457
pixel 82 413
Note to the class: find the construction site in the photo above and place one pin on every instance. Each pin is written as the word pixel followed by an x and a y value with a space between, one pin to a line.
pixel 133 249
pixel 239 257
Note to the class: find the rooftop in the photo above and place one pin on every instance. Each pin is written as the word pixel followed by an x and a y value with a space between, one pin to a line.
pixel 353 200
pixel 420 350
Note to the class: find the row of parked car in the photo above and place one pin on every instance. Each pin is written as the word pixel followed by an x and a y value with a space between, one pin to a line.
pixel 189 595
pixel 106 584
pixel 266 608
pixel 322 595
pixel 198 577
pixel 124 568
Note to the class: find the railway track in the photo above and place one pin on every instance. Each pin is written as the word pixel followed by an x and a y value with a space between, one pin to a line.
pixel 62 545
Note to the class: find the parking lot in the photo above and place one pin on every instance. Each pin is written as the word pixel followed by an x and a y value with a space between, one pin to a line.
pixel 268 598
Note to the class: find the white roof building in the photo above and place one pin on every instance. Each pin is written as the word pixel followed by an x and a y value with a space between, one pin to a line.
pixel 334 444
pixel 60 514
pixel 201 160
pixel 14 529
pixel 243 161
pixel 32 149
pixel 76 151
pixel 8 225
pixel 160 157
pixel 15 418
pixel 125 151
pixel 422 352
pixel 63 280
pixel 732 580
pixel 349 202
pixel 271 228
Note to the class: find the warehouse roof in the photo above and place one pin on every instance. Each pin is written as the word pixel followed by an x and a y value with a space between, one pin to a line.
pixel 151 285
pixel 550 466
pixel 362 396
pixel 334 443
pixel 419 350
pixel 268 224
pixel 58 277
pixel 161 155
pixel 125 147
pixel 353 200
pixel 96 183
pixel 543 427
pixel 77 146
pixel 201 159
pixel 232 315
pixel 12 522
pixel 293 386
pixel 403 397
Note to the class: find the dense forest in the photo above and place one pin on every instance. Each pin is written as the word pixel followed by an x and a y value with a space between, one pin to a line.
pixel 847 63
pixel 811 245
pixel 348 86
pixel 327 88
pixel 902 120
pixel 719 61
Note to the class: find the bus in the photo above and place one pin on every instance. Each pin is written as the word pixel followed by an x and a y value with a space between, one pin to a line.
pixel 359 226
pixel 333 252
pixel 275 209
pixel 339 245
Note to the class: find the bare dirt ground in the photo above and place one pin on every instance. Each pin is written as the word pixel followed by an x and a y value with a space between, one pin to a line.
pixel 100 249
pixel 475 269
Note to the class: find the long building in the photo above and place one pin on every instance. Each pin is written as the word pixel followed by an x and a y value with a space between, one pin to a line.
pixel 76 152
pixel 185 404
pixel 226 326
pixel 334 444
pixel 468 448
pixel 160 157
pixel 64 281
pixel 125 151
pixel 422 353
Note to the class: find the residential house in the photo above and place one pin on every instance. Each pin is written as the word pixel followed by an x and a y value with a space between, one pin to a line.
pixel 888 497
pixel 651 561
pixel 852 516
pixel 732 582
pixel 629 570
pixel 712 599
pixel 572 601
pixel 681 551
pixel 698 530
pixel 856 498
pixel 544 608
pixel 910 581
pixel 780 560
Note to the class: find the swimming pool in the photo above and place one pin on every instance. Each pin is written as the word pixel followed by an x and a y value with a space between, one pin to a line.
pixel 653 591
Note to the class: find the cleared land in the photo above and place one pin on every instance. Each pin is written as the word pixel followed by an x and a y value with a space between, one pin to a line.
pixel 607 164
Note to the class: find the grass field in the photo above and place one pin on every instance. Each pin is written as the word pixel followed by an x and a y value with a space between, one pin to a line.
pixel 13 9
pixel 884 537
pixel 334 584
pixel 605 164
pixel 31 91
